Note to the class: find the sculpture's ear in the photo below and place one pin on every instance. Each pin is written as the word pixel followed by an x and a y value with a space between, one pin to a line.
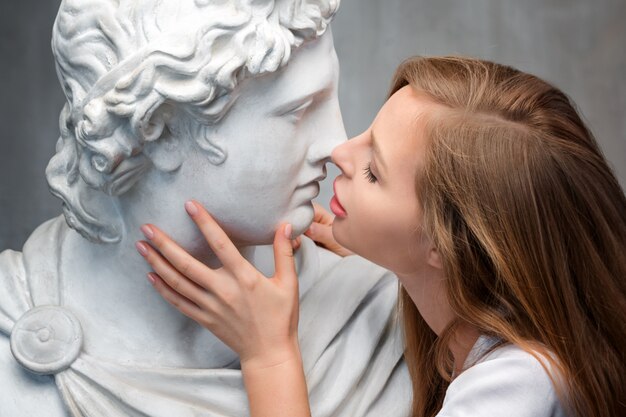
pixel 169 135
pixel 164 140
pixel 208 139
pixel 166 153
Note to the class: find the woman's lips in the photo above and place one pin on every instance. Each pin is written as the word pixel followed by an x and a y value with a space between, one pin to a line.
pixel 335 205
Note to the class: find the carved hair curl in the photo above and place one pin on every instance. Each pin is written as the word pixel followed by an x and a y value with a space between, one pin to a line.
pixel 126 67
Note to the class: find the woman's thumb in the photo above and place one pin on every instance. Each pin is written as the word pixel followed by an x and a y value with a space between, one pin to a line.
pixel 283 253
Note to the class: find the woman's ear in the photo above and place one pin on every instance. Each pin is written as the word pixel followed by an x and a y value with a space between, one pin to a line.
pixel 434 259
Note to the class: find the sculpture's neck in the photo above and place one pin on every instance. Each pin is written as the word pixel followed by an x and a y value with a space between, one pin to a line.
pixel 106 286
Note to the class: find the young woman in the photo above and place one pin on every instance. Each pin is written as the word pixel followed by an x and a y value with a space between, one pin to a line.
pixel 480 187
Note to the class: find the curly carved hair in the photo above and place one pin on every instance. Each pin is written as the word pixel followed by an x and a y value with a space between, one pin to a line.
pixel 131 71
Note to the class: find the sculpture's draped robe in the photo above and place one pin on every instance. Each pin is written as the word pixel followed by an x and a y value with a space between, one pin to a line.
pixel 349 338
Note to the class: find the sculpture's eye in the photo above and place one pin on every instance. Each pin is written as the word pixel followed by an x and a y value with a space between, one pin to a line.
pixel 296 113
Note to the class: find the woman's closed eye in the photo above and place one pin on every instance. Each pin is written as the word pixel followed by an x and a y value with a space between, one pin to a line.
pixel 368 173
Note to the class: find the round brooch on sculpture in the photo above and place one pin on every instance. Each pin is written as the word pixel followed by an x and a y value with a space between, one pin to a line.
pixel 46 340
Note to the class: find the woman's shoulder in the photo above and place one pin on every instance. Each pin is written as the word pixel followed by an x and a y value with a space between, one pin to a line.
pixel 506 381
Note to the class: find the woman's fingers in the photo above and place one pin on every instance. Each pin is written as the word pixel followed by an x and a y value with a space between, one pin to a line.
pixel 174 279
pixel 322 215
pixel 217 239
pixel 283 254
pixel 186 264
pixel 322 234
pixel 181 303
pixel 248 312
pixel 316 229
pixel 296 243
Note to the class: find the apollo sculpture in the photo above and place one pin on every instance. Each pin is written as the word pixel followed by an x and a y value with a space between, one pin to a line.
pixel 234 104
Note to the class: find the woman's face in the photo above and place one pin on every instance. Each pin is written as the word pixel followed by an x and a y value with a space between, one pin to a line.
pixel 381 218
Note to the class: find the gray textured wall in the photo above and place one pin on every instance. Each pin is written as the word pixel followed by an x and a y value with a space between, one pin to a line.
pixel 578 45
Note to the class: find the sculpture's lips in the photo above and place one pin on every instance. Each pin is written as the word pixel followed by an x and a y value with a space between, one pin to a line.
pixel 317 179
pixel 308 184
pixel 313 186
pixel 335 205
pixel 309 191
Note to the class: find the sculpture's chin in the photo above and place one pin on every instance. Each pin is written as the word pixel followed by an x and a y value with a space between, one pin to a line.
pixel 260 234
pixel 301 218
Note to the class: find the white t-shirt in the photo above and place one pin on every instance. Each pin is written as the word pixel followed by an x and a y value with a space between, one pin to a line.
pixel 508 382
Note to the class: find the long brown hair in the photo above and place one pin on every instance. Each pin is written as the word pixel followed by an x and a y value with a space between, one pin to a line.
pixel 530 224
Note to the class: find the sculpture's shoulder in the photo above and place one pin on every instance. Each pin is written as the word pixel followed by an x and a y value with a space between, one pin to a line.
pixel 10 265
pixel 15 267
pixel 14 292
pixel 46 235
pixel 25 394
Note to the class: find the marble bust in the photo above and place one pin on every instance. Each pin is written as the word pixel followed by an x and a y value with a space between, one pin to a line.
pixel 234 104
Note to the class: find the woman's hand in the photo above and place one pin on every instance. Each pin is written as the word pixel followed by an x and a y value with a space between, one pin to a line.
pixel 254 315
pixel 321 231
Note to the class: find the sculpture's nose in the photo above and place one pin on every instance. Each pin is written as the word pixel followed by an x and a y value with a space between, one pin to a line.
pixel 329 137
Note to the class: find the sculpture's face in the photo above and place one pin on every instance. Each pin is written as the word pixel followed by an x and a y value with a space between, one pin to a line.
pixel 278 136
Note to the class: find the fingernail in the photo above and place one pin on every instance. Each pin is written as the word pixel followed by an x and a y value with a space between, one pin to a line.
pixel 147 231
pixel 191 208
pixel 152 278
pixel 312 228
pixel 288 231
pixel 141 248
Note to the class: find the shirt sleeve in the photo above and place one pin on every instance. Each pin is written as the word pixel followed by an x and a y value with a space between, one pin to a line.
pixel 508 382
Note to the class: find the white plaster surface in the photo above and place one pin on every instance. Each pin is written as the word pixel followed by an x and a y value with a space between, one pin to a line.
pixel 168 101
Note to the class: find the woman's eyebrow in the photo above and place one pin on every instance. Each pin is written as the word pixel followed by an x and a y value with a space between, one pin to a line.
pixel 377 152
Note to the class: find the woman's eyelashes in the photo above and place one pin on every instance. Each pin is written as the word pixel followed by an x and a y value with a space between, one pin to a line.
pixel 368 173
